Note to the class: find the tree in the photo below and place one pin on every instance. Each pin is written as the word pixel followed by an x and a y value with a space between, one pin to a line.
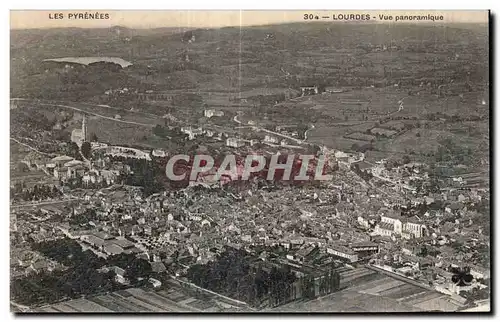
pixel 159 130
pixel 72 150
pixel 22 167
pixel 232 274
pixel 93 137
pixel 187 36
pixel 136 268
pixel 86 149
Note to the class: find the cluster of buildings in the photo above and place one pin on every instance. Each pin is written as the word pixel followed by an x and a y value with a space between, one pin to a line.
pixel 103 171
pixel 27 262
pixel 346 222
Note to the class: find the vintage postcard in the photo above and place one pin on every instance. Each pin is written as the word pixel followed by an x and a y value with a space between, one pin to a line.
pixel 249 161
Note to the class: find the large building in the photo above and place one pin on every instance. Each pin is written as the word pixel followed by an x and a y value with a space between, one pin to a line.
pixel 211 113
pixel 235 142
pixel 365 248
pixel 342 251
pixel 192 132
pixel 309 90
pixel 80 135
pixel 400 226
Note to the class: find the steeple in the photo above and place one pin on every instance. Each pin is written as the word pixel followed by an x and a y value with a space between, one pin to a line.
pixel 84 129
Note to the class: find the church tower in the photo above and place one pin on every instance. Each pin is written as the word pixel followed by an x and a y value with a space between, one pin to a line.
pixel 84 129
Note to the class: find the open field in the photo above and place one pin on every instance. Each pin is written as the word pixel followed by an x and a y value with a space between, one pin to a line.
pixel 172 298
pixel 342 121
pixel 370 291
pixel 19 172
pixel 364 290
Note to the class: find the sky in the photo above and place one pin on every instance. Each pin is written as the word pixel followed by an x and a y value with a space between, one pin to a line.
pixel 207 19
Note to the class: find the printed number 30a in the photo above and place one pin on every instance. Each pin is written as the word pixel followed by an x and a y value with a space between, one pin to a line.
pixel 309 16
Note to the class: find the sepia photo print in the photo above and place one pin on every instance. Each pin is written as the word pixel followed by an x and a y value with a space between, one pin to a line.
pixel 249 161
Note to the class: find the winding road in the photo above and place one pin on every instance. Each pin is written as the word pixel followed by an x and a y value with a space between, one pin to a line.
pixel 31 148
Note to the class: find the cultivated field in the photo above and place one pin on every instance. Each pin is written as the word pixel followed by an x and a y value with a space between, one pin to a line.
pixel 171 298
pixel 366 290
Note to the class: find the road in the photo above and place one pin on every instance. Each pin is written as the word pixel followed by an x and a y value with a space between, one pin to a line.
pixel 139 154
pixel 22 308
pixel 402 278
pixel 43 203
pixel 31 148
pixel 121 109
pixel 38 151
pixel 43 168
pixel 400 108
pixel 393 182
pixel 312 127
pixel 90 113
pixel 286 136
pixel 204 290
pixel 235 119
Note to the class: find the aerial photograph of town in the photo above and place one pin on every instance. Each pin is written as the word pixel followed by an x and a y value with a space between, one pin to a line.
pixel 249 161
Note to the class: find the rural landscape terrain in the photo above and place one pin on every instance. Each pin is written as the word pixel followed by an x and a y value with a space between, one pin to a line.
pixel 401 111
